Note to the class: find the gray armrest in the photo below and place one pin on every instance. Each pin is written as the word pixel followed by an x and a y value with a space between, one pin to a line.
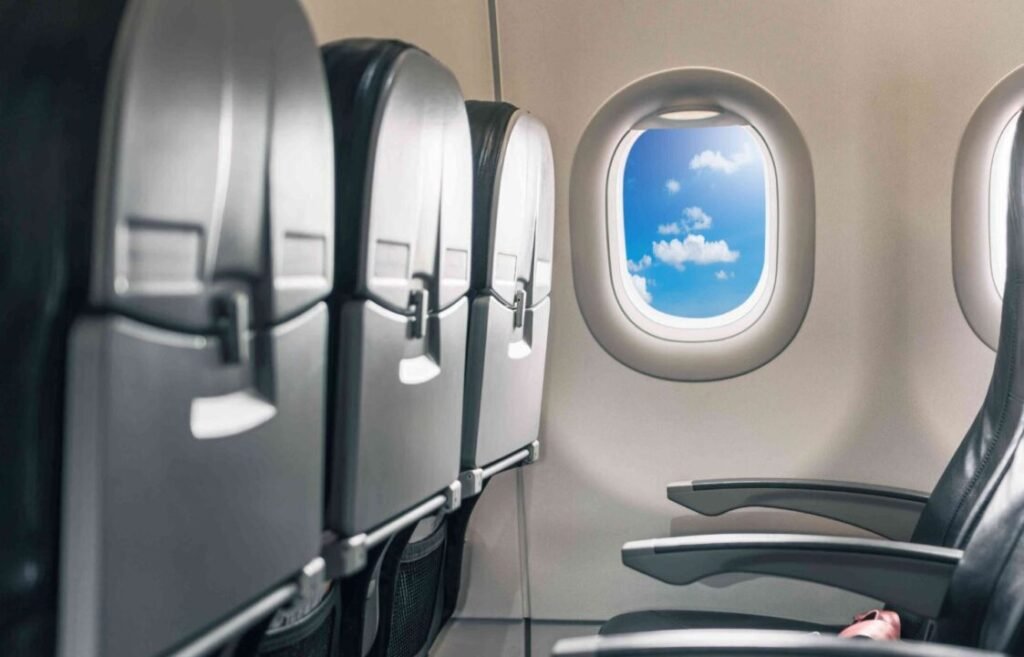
pixel 750 643
pixel 907 575
pixel 888 512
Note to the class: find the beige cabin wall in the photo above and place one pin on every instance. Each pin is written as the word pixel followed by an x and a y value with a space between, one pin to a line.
pixel 885 375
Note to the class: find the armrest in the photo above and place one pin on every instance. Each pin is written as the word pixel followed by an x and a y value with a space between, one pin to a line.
pixel 910 576
pixel 888 512
pixel 750 643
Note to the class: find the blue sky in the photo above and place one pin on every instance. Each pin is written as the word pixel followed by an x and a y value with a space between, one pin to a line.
pixel 694 205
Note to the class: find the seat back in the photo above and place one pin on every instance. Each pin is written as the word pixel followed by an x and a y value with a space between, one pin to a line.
pixel 513 210
pixel 193 439
pixel 968 482
pixel 983 606
pixel 399 310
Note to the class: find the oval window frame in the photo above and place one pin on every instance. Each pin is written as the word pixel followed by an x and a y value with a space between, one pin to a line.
pixel 976 289
pixel 679 352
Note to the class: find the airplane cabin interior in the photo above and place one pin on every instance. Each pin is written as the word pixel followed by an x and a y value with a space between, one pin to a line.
pixel 511 328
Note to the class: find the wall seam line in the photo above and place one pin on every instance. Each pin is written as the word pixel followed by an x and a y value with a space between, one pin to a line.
pixel 492 21
pixel 524 544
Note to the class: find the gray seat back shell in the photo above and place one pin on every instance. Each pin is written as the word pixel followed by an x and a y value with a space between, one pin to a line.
pixel 417 213
pixel 195 389
pixel 514 220
pixel 399 311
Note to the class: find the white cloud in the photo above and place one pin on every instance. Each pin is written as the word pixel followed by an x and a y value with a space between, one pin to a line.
pixel 723 275
pixel 694 218
pixel 640 265
pixel 640 283
pixel 715 161
pixel 693 249
pixel 672 186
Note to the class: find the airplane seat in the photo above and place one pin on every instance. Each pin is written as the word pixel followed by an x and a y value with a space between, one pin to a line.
pixel 982 608
pixel 511 281
pixel 399 316
pixel 963 494
pixel 173 241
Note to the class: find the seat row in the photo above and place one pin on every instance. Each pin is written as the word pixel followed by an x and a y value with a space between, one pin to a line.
pixel 286 308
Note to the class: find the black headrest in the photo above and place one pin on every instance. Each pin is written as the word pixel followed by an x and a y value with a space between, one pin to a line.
pixel 489 123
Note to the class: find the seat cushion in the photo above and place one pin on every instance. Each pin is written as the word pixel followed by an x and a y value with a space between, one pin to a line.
pixel 649 621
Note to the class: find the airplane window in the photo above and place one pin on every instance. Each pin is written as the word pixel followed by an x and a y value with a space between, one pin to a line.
pixel 695 219
pixel 981 186
pixel 999 190
pixel 691 210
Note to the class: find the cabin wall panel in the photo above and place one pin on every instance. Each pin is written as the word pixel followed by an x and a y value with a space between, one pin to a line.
pixel 885 375
pixel 471 637
pixel 492 574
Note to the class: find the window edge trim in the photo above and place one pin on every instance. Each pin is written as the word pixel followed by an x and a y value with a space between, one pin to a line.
pixel 973 280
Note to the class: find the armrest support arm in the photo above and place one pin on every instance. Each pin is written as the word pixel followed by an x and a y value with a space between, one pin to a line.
pixel 888 512
pixel 750 643
pixel 911 576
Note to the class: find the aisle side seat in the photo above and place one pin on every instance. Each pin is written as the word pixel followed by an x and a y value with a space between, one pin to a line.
pixel 513 225
pixel 978 605
pixel 399 317
pixel 399 308
pixel 193 448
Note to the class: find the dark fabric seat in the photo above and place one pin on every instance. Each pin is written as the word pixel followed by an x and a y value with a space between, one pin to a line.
pixel 982 609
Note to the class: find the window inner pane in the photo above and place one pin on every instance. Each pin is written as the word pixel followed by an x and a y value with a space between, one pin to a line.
pixel 695 218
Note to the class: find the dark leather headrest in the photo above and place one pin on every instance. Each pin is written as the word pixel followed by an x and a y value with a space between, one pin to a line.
pixel 513 204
